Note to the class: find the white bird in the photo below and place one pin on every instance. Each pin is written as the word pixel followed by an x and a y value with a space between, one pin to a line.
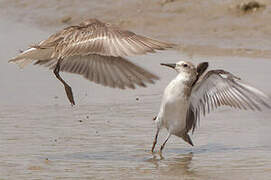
pixel 191 93
pixel 95 50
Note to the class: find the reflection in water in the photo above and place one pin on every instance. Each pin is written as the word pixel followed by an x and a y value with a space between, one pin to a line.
pixel 179 165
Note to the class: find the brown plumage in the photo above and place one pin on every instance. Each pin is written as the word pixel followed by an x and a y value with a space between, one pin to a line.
pixel 95 50
pixel 115 72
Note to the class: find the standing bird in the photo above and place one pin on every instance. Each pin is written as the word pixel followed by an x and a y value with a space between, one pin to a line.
pixel 192 93
pixel 95 50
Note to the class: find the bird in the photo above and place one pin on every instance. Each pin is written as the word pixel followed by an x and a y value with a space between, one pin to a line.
pixel 193 93
pixel 97 51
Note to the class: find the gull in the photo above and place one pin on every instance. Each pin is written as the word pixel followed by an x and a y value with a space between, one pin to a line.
pixel 192 93
pixel 97 51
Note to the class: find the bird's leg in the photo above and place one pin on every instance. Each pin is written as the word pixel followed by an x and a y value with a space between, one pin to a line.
pixel 155 140
pixel 68 89
pixel 163 145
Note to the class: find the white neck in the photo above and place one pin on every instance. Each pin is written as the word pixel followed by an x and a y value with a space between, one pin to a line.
pixel 182 78
pixel 178 85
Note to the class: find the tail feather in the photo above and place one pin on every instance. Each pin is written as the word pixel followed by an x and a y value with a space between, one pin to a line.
pixel 30 55
pixel 187 139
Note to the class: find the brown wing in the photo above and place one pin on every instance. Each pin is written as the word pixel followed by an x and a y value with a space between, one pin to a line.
pixel 95 37
pixel 106 70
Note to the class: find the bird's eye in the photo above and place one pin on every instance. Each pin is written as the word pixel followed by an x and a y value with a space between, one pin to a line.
pixel 185 65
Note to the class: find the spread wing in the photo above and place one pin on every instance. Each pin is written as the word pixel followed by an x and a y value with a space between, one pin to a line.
pixel 106 70
pixel 221 88
pixel 90 37
pixel 95 37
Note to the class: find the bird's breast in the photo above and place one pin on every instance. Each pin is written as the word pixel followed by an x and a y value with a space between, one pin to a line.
pixel 174 108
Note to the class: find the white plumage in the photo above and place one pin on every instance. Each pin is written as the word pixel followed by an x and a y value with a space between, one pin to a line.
pixel 191 93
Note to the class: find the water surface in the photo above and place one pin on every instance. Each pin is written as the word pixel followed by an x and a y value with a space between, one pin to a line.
pixel 108 134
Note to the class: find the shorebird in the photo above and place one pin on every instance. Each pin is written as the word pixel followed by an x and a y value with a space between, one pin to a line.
pixel 192 93
pixel 95 50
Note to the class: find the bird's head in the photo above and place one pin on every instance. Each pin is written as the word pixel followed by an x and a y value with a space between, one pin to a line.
pixel 88 22
pixel 182 67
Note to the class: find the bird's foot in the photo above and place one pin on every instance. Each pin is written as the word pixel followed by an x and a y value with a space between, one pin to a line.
pixel 69 94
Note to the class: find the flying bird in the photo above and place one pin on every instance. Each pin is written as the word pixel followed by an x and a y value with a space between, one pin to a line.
pixel 192 93
pixel 97 51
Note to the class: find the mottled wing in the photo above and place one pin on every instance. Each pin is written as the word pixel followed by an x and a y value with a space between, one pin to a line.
pixel 221 88
pixel 90 37
pixel 57 38
pixel 106 70
pixel 100 38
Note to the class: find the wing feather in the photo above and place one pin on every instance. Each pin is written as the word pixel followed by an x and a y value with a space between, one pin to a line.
pixel 104 39
pixel 90 37
pixel 220 88
pixel 106 70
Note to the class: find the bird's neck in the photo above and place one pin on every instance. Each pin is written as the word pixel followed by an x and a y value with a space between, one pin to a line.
pixel 180 86
pixel 184 79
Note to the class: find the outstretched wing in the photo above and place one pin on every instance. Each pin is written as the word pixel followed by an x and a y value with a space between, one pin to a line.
pixel 90 37
pixel 95 37
pixel 106 70
pixel 191 120
pixel 221 88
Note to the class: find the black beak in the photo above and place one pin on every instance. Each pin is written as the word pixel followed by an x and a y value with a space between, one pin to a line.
pixel 169 65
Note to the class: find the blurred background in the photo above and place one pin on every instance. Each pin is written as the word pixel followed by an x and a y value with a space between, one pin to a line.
pixel 224 26
pixel 109 133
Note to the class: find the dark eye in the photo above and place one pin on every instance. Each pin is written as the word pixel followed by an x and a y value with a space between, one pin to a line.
pixel 185 65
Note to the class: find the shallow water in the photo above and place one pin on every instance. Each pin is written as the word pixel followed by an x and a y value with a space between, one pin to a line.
pixel 108 134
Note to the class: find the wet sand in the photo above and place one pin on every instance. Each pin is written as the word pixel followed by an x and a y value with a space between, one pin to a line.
pixel 200 27
pixel 108 135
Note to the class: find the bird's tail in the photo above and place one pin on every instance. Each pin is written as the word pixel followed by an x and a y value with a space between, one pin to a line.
pixel 30 55
pixel 187 139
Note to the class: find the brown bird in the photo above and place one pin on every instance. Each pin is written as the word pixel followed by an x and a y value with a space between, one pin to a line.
pixel 95 50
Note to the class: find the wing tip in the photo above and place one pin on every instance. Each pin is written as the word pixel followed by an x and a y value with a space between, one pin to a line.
pixel 21 63
pixel 11 61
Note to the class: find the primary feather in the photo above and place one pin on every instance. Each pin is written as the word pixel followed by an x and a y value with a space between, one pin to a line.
pixel 116 72
pixel 95 50
pixel 221 88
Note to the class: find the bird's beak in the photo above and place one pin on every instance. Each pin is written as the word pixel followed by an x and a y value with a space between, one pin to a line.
pixel 172 65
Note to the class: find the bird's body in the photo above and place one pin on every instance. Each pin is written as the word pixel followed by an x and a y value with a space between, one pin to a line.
pixel 171 116
pixel 97 51
pixel 191 93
